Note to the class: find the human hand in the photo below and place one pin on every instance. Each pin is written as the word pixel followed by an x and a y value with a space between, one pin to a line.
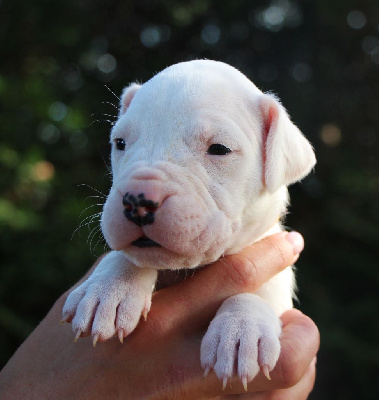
pixel 160 359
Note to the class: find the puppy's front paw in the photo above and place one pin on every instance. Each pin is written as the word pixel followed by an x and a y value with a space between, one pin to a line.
pixel 244 333
pixel 110 301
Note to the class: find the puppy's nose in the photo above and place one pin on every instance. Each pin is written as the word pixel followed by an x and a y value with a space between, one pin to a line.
pixel 138 209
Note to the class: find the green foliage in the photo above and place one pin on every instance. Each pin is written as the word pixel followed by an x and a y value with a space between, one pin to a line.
pixel 321 58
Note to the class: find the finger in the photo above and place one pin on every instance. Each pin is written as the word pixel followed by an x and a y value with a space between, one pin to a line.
pixel 255 265
pixel 203 293
pixel 300 341
pixel 300 391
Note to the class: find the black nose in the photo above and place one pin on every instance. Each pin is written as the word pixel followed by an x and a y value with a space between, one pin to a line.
pixel 139 210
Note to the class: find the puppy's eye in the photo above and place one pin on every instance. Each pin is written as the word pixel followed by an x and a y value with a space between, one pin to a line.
pixel 218 149
pixel 120 144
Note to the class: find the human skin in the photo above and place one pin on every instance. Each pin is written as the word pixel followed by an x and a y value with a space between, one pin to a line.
pixel 160 359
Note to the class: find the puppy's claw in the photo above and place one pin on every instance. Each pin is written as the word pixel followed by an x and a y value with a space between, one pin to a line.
pixel 244 382
pixel 266 372
pixel 206 371
pixel 66 318
pixel 121 335
pixel 95 339
pixel 144 313
pixel 77 336
pixel 224 382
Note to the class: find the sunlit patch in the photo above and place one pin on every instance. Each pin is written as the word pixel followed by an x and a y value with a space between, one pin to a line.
pixel 211 34
pixel 301 72
pixel 43 171
pixel 153 35
pixel 278 14
pixel 58 111
pixel 106 63
pixel 331 135
pixel 356 19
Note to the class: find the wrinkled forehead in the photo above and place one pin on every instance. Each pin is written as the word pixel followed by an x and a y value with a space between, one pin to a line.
pixel 188 87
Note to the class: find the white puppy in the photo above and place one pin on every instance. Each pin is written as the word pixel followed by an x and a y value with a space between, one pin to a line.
pixel 201 159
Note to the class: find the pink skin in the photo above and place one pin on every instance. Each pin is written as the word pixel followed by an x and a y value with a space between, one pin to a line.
pixel 188 227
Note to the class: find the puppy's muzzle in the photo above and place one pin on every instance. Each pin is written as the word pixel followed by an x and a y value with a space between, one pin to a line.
pixel 138 209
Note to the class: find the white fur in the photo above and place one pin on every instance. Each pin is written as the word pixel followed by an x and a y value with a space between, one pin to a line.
pixel 209 205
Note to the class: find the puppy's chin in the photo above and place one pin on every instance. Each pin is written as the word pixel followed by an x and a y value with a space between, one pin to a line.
pixel 158 257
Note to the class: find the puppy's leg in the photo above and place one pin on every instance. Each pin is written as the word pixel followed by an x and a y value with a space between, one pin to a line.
pixel 245 332
pixel 111 300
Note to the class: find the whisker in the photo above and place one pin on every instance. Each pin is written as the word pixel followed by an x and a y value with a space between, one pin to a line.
pixel 95 190
pixel 109 103
pixel 104 114
pixel 106 248
pixel 96 217
pixel 92 234
pixel 112 123
pixel 92 219
pixel 107 166
pixel 101 239
pixel 92 247
pixel 96 197
pixel 87 208
pixel 114 94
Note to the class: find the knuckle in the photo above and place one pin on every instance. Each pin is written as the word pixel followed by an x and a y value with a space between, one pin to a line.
pixel 242 272
pixel 278 252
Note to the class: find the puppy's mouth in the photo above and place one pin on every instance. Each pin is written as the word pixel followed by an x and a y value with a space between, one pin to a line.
pixel 144 241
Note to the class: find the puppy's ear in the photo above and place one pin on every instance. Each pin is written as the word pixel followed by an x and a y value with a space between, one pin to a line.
pixel 287 155
pixel 127 97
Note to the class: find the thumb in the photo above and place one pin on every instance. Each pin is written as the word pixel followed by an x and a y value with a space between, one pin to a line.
pixel 204 292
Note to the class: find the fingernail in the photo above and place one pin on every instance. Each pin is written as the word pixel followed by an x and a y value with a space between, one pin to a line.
pixel 296 241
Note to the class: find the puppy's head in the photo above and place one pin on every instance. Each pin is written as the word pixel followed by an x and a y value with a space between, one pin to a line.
pixel 200 160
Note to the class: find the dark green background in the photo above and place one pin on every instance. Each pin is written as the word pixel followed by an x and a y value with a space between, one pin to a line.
pixel 320 57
